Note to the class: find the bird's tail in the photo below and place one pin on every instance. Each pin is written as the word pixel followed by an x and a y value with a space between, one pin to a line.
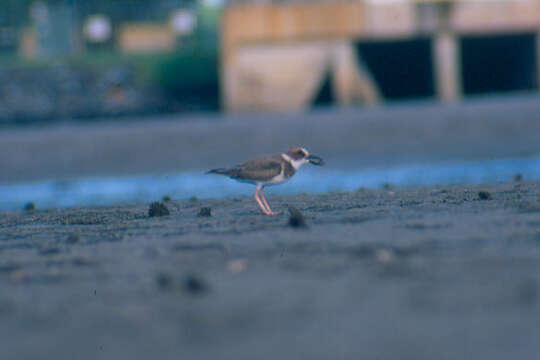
pixel 220 171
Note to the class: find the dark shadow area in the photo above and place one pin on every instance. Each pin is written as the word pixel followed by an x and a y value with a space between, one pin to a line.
pixel 498 63
pixel 402 69
pixel 190 80
pixel 325 96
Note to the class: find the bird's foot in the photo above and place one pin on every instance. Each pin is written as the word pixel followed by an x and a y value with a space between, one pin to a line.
pixel 271 213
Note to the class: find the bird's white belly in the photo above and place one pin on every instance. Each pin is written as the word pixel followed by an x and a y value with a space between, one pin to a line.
pixel 276 179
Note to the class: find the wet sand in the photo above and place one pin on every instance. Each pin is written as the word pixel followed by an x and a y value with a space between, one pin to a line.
pixel 447 272
pixel 347 138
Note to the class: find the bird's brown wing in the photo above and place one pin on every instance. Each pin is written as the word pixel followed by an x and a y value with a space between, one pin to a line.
pixel 258 169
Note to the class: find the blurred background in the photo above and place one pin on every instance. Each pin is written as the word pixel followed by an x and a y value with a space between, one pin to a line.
pixel 84 59
pixel 129 100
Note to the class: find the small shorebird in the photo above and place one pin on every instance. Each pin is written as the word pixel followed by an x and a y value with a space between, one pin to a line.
pixel 269 170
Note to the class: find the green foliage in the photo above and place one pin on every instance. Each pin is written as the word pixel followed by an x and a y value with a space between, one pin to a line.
pixel 184 72
pixel 189 73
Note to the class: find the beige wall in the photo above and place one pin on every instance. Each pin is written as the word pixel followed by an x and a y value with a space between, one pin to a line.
pixel 146 38
pixel 288 76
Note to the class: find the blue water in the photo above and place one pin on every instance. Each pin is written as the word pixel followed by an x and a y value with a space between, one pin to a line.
pixel 115 190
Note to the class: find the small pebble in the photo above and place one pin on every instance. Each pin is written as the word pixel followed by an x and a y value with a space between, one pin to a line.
pixel 164 281
pixel 237 266
pixel 29 206
pixel 194 285
pixel 73 238
pixel 296 219
pixel 384 256
pixel 205 212
pixel 158 209
pixel 484 195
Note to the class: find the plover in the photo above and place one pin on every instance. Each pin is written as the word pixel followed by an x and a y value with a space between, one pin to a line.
pixel 269 170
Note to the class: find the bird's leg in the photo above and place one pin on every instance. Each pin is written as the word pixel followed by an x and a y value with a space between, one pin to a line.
pixel 270 212
pixel 260 202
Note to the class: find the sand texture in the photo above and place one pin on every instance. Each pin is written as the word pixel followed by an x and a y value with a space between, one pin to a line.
pixel 447 272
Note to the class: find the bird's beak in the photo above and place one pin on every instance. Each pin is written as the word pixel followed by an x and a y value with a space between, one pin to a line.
pixel 315 160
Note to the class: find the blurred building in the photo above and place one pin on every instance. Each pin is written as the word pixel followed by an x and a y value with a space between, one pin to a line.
pixel 294 54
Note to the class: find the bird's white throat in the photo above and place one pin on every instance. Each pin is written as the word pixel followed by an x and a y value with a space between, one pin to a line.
pixel 294 163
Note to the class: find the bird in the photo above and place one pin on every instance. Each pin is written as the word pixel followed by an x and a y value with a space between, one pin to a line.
pixel 269 170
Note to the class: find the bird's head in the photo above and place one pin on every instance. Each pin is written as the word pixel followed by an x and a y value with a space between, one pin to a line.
pixel 299 156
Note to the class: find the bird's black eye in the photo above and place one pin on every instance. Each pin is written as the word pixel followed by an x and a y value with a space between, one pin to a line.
pixel 301 153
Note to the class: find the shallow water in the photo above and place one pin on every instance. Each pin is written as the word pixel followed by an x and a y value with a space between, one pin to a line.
pixel 115 190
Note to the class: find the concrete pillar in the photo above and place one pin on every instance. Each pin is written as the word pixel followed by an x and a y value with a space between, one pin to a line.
pixel 447 66
pixel 351 80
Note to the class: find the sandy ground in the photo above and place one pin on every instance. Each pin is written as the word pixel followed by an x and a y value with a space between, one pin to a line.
pixel 426 273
